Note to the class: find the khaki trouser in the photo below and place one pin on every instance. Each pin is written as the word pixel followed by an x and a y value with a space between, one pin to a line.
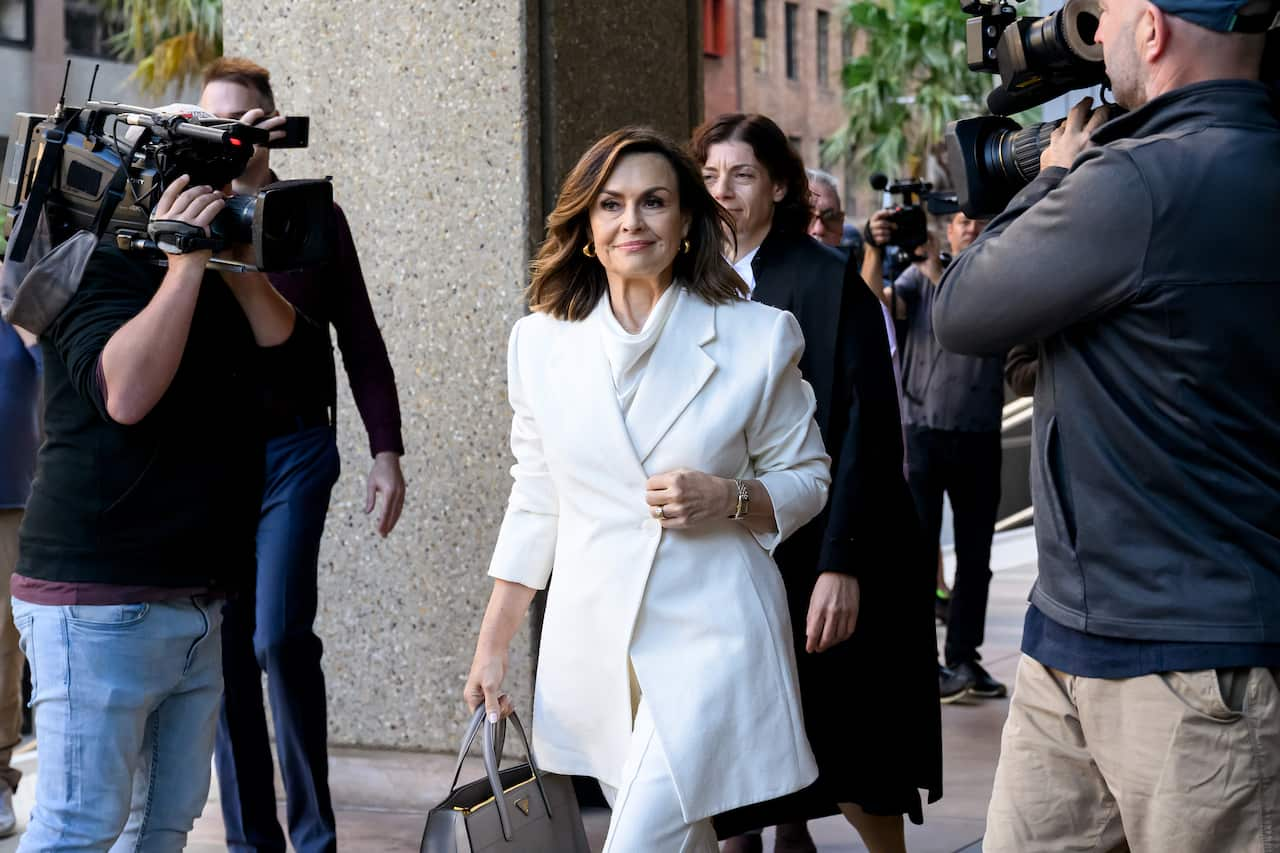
pixel 10 655
pixel 1177 762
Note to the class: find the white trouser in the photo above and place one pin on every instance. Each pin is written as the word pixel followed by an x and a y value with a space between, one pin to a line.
pixel 646 809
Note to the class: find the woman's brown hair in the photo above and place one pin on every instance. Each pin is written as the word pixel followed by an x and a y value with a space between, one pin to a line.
pixel 567 284
pixel 775 153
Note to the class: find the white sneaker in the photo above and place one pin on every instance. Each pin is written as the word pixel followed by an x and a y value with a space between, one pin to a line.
pixel 8 820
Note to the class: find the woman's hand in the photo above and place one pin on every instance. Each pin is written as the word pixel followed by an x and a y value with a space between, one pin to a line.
pixel 833 611
pixel 484 685
pixel 682 498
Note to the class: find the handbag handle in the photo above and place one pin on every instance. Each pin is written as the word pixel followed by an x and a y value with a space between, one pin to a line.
pixel 477 720
pixel 491 761
pixel 494 735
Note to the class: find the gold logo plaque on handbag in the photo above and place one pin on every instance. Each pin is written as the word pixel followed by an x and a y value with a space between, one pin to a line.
pixel 519 809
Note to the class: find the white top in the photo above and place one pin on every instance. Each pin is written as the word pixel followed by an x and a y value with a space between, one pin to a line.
pixel 743 269
pixel 628 354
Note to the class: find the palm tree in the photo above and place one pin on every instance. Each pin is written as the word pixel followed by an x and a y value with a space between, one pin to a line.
pixel 911 80
pixel 170 40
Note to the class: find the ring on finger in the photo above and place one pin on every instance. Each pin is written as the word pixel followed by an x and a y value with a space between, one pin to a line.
pixel 660 512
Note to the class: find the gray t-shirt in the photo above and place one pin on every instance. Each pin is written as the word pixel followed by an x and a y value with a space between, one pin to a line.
pixel 941 389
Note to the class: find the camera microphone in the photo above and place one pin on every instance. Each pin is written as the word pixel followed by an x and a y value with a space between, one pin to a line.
pixel 879 181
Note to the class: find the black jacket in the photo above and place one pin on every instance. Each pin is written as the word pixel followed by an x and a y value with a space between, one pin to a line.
pixel 172 501
pixel 846 360
pixel 1148 272
pixel 876 754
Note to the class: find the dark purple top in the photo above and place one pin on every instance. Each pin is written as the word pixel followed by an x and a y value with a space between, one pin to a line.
pixel 61 593
pixel 335 294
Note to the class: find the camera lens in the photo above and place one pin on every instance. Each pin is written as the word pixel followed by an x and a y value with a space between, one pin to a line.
pixel 1012 157
pixel 235 223
pixel 1066 37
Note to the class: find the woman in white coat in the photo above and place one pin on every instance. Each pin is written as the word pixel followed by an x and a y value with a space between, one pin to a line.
pixel 664 444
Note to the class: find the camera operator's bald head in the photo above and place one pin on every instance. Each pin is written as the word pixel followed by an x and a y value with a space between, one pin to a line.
pixel 1149 51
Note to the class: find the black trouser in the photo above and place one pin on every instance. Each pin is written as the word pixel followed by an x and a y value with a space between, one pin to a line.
pixel 965 465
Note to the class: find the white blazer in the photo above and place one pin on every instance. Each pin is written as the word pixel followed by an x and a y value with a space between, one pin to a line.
pixel 702 613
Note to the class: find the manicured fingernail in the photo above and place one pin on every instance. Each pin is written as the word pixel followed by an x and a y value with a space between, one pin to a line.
pixel 493 716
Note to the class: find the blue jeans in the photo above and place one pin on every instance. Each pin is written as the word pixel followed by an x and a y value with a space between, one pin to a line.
pixel 125 700
pixel 269 629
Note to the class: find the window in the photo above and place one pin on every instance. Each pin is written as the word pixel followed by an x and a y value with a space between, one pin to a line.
pixel 89 29
pixel 824 58
pixel 759 47
pixel 15 22
pixel 792 16
pixel 846 45
pixel 713 27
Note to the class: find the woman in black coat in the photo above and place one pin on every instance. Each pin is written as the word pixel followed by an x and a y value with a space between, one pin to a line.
pixel 858 579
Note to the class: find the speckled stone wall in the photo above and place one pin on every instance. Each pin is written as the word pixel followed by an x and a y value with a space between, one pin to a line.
pixel 439 121
pixel 607 64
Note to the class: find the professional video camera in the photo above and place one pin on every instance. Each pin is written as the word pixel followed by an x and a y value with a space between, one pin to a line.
pixel 1038 59
pixel 101 168
pixel 911 226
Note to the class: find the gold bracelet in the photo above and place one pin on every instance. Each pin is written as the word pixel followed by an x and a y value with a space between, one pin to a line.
pixel 744 500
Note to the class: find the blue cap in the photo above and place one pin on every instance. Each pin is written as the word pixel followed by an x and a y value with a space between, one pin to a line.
pixel 1219 15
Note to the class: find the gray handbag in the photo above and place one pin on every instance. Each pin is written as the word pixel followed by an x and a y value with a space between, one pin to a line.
pixel 532 812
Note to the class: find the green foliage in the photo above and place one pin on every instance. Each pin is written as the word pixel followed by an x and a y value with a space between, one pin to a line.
pixel 909 83
pixel 170 40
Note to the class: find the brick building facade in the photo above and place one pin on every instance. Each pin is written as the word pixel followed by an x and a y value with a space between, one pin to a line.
pixel 782 58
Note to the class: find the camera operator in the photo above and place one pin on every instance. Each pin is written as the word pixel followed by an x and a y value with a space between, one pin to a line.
pixel 1146 710
pixel 952 408
pixel 271 629
pixel 141 518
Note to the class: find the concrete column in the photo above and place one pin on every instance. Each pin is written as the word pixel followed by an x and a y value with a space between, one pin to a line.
pixel 48 54
pixel 446 127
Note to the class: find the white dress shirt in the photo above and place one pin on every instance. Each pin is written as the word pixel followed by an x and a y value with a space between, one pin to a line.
pixel 743 269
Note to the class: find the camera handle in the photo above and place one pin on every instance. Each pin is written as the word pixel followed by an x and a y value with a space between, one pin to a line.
pixel 178 238
pixel 136 241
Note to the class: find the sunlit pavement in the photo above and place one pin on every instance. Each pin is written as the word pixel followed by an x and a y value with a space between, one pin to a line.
pixel 383 797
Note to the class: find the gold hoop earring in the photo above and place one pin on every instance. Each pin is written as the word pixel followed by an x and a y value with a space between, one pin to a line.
pixel 685 247
pixel 589 251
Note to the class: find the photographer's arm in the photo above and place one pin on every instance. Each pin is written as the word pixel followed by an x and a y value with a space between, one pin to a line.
pixel 270 315
pixel 141 358
pixel 879 232
pixel 1069 246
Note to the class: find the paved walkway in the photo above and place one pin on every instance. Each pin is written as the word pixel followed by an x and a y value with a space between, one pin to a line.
pixel 383 797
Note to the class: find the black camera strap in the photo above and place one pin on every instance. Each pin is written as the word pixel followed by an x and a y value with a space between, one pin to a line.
pixel 50 160
pixel 115 190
